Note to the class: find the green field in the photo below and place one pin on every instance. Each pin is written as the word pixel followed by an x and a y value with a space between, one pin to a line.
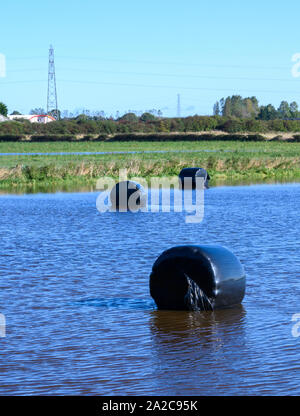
pixel 230 162
pixel 102 146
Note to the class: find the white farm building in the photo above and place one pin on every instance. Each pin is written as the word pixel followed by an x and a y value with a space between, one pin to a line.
pixel 33 118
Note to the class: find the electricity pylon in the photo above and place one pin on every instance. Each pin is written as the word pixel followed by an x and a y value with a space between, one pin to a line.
pixel 52 95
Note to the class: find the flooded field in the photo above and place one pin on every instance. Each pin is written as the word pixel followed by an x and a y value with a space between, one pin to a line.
pixel 79 318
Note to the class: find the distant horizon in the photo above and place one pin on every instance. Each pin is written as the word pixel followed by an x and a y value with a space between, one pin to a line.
pixel 286 111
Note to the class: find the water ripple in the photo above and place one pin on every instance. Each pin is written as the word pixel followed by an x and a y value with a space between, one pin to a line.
pixel 80 319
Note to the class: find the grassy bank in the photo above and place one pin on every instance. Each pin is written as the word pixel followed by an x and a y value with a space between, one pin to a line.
pixel 226 161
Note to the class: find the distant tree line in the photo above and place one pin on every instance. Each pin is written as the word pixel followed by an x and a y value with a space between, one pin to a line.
pixel 147 123
pixel 236 106
pixel 231 115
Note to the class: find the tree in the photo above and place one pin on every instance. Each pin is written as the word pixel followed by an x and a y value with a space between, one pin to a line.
pixel 3 109
pixel 267 112
pixel 222 104
pixel 131 117
pixel 227 107
pixel 99 115
pixel 284 110
pixel 294 110
pixel 16 113
pixel 236 106
pixel 163 127
pixel 255 105
pixel 248 110
pixel 145 117
pixel 216 109
pixel 153 111
pixel 56 114
pixel 38 111
pixel 81 117
pixel 65 114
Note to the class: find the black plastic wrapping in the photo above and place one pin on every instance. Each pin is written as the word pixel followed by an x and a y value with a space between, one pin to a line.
pixel 128 195
pixel 197 278
pixel 193 173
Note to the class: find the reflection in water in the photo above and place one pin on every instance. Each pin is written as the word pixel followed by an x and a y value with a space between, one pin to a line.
pixel 196 327
pixel 34 188
pixel 193 348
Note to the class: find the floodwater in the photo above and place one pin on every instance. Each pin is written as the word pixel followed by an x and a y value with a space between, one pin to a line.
pixel 79 318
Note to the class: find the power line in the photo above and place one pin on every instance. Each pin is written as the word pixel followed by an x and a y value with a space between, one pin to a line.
pixel 95 58
pixel 120 84
pixel 236 90
pixel 172 63
pixel 159 74
pixel 171 86
pixel 23 82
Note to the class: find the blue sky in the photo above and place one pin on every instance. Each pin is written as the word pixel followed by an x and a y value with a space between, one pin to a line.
pixel 134 55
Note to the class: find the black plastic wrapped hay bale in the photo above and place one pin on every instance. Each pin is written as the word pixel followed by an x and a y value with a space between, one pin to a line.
pixel 197 278
pixel 187 177
pixel 128 195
